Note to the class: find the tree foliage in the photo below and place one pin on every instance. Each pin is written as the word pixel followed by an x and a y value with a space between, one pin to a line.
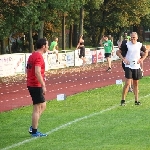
pixel 100 16
pixel 114 16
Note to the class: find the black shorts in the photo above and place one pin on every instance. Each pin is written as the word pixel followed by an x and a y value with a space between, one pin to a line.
pixel 123 66
pixel 134 74
pixel 82 52
pixel 36 94
pixel 107 55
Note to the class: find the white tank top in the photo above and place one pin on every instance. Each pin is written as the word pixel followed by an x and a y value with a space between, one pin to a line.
pixel 133 54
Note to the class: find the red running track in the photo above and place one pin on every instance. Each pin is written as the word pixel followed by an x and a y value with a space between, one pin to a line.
pixel 15 94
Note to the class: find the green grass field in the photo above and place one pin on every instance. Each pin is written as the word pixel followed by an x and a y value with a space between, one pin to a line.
pixel 92 120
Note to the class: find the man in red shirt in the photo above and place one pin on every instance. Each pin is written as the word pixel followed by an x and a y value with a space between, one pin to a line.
pixel 36 84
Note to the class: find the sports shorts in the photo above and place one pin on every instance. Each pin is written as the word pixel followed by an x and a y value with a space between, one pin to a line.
pixel 36 94
pixel 107 55
pixel 82 52
pixel 134 74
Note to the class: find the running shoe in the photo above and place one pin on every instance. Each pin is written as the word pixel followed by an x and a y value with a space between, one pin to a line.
pixel 109 69
pixel 30 130
pixel 137 103
pixel 38 134
pixel 123 103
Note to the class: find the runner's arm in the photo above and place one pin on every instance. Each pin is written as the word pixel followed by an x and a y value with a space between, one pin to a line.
pixel 119 54
pixel 144 52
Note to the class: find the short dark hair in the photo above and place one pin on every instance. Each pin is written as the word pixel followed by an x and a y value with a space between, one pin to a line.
pixel 40 43
pixel 105 36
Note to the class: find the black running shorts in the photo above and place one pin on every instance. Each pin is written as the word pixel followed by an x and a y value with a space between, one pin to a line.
pixel 36 95
pixel 107 55
pixel 82 52
pixel 134 74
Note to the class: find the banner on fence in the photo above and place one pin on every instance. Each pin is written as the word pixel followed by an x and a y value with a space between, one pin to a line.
pixel 6 65
pixel 70 59
pixel 51 61
pixel 12 64
pixel 100 55
pixel 114 56
pixel 88 56
pixel 62 60
pixel 77 61
pixel 19 63
pixel 94 56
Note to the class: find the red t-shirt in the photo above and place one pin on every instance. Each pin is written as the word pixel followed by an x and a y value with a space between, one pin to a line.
pixel 35 59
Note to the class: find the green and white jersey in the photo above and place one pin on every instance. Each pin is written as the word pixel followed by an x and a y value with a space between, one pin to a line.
pixel 108 46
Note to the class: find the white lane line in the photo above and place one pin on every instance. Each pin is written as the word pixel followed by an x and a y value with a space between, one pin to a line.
pixel 68 124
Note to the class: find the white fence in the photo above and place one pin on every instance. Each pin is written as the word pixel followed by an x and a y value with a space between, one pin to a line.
pixel 13 64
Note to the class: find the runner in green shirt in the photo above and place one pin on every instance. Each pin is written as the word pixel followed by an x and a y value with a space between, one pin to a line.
pixel 108 47
pixel 125 36
pixel 54 47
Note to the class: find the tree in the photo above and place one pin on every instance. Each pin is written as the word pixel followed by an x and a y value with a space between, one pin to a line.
pixel 94 18
pixel 113 16
pixel 18 15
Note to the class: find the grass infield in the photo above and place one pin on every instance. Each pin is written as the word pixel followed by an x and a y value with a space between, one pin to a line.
pixel 91 120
